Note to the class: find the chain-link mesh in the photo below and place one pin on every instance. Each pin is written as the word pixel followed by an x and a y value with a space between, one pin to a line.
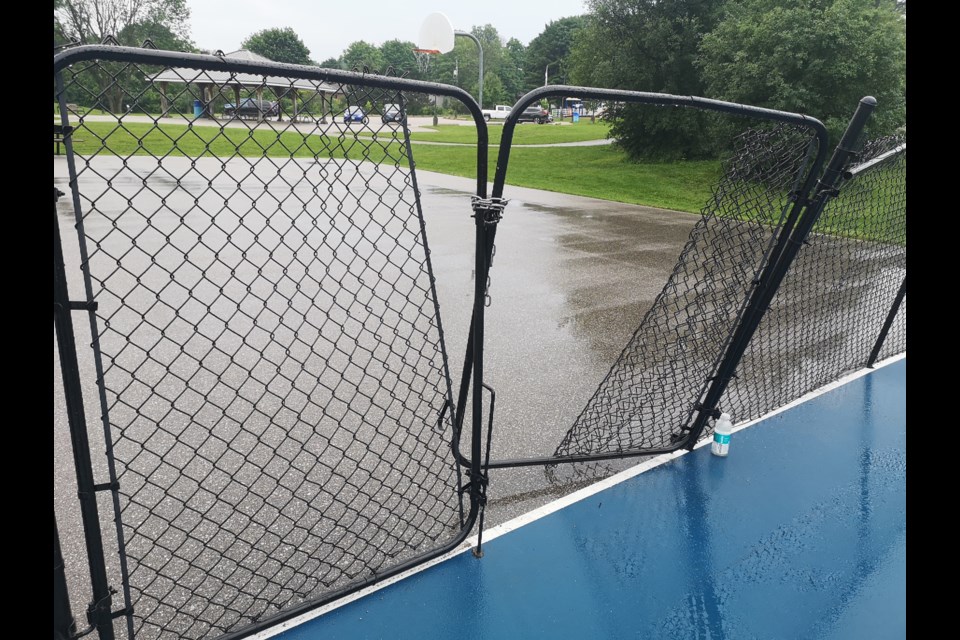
pixel 273 365
pixel 831 306
pixel 651 390
pixel 896 340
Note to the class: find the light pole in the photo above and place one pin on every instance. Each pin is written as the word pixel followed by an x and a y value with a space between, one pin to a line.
pixel 546 76
pixel 480 49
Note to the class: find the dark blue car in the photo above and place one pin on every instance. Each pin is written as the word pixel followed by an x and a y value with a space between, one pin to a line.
pixel 355 114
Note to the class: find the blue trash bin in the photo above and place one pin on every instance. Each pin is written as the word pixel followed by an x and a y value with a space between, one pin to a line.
pixel 576 116
pixel 197 108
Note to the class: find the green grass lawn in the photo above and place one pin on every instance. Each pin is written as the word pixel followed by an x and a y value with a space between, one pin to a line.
pixel 599 172
pixel 135 138
pixel 524 133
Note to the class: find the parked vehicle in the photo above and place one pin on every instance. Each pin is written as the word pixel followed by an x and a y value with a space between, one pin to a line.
pixel 252 108
pixel 535 113
pixel 355 114
pixel 499 112
pixel 391 113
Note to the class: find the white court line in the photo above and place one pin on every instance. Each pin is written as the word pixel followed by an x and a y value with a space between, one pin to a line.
pixel 560 503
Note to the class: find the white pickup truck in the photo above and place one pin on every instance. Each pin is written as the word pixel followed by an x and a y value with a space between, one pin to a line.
pixel 499 112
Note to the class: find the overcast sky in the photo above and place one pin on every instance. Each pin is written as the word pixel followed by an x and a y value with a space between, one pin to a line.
pixel 327 27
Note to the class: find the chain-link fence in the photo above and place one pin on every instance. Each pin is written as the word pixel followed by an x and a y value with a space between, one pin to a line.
pixel 268 345
pixel 279 426
pixel 651 389
pixel 831 307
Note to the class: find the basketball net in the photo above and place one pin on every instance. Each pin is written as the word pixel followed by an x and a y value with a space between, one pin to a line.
pixel 424 57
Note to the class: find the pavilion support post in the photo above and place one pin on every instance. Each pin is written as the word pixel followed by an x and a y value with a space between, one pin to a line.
pixel 205 99
pixel 236 99
pixel 323 108
pixel 211 102
pixel 294 97
pixel 259 102
pixel 164 103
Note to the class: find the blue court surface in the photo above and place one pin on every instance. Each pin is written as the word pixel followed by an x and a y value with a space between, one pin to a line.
pixel 799 533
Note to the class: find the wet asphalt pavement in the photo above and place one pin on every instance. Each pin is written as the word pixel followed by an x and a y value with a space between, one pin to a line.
pixel 571 280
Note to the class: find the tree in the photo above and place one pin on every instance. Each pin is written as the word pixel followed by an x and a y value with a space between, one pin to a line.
pixel 465 53
pixel 330 63
pixel 164 22
pixel 89 21
pixel 493 90
pixel 361 55
pixel 398 58
pixel 279 45
pixel 512 70
pixel 552 47
pixel 649 45
pixel 812 56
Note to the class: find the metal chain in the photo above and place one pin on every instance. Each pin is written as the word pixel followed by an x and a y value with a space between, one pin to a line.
pixel 492 211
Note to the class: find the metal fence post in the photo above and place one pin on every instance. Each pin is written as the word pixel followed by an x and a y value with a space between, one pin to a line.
pixel 775 272
pixel 894 308
pixel 99 612
pixel 62 618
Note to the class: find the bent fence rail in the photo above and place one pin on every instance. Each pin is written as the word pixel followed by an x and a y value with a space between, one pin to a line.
pixel 263 348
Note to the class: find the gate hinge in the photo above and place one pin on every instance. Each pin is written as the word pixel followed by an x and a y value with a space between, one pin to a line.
pixel 732 376
pixel 491 209
pixel 101 608
pixel 119 613
pixel 713 413
pixel 57 194
pixel 77 305
pixel 107 486
pixel 833 192
pixel 794 196
pixel 480 482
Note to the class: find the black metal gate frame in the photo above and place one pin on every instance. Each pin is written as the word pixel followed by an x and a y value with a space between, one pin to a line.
pixel 804 212
pixel 100 614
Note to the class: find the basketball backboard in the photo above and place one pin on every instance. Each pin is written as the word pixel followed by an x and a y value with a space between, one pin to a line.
pixel 436 33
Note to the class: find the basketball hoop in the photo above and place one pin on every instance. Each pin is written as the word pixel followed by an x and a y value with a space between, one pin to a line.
pixel 424 57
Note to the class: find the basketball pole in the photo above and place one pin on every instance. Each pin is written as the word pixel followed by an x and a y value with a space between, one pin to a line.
pixel 480 49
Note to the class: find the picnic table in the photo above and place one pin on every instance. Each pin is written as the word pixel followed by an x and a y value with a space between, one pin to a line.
pixel 60 134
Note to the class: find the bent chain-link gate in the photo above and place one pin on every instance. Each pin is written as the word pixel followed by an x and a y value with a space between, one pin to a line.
pixel 653 390
pixel 266 342
pixel 666 387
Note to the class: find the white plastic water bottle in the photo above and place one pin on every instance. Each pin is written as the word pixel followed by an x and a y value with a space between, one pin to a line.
pixel 721 436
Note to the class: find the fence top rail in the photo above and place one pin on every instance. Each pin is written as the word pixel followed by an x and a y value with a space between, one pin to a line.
pixel 660 99
pixel 664 99
pixel 883 157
